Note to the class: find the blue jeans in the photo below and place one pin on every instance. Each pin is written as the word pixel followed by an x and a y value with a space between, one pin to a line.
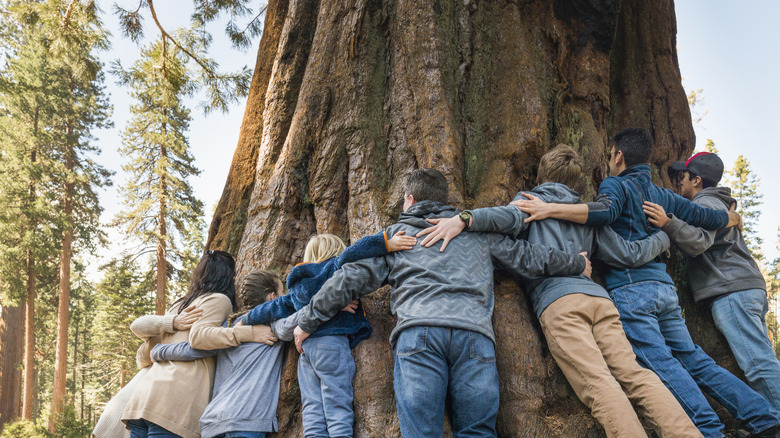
pixel 326 370
pixel 740 316
pixel 431 362
pixel 142 429
pixel 652 320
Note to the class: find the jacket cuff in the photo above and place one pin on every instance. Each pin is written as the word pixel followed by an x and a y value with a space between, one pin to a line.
pixel 243 333
pixel 673 226
pixel 387 245
pixel 168 323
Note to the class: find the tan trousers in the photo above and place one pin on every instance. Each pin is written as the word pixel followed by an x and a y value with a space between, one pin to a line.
pixel 586 339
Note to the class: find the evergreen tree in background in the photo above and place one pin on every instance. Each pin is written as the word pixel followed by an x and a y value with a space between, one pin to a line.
pixel 710 147
pixel 161 210
pixel 56 47
pixel 121 296
pixel 744 188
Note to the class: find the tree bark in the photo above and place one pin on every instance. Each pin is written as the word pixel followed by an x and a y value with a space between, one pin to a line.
pixel 29 343
pixel 63 306
pixel 162 262
pixel 348 96
pixel 11 357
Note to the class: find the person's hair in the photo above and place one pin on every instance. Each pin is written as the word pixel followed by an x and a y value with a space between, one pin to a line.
pixel 253 291
pixel 322 247
pixel 561 164
pixel 214 274
pixel 636 145
pixel 705 183
pixel 427 185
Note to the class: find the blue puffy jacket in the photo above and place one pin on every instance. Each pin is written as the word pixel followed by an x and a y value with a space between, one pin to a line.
pixel 305 281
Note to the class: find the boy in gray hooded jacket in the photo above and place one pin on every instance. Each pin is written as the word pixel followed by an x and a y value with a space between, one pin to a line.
pixel 443 340
pixel 578 319
pixel 723 275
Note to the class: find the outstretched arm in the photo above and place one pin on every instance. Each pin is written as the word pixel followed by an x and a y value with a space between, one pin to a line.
pixel 620 253
pixel 692 241
pixel 698 216
pixel 181 352
pixel 283 328
pixel 604 210
pixel 150 326
pixel 375 246
pixel 349 283
pixel 269 311
pixel 531 260
pixel 538 210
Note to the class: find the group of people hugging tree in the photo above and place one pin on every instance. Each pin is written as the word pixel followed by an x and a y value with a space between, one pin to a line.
pixel 211 366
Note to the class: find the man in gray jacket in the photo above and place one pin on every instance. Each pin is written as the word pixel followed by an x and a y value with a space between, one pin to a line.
pixel 443 341
pixel 578 319
pixel 723 275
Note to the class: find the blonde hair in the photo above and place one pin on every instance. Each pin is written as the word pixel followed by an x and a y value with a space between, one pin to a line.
pixel 560 165
pixel 321 247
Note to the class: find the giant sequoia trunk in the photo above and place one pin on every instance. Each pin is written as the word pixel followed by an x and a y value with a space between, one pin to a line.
pixel 350 95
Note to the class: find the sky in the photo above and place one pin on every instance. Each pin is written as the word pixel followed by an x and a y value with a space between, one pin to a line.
pixel 726 48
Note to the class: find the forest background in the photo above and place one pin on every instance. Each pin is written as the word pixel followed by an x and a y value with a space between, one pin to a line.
pixel 722 49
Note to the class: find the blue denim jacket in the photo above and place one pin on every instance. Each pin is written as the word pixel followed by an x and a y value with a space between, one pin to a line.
pixel 306 280
pixel 619 203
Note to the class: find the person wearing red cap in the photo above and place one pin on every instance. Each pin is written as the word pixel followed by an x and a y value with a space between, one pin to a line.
pixel 722 273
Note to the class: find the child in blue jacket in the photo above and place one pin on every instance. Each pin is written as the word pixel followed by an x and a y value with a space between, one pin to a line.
pixel 326 368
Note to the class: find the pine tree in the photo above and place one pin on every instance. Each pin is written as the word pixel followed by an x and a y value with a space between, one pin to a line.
pixel 710 147
pixel 71 33
pixel 28 194
pixel 161 210
pixel 121 296
pixel 744 188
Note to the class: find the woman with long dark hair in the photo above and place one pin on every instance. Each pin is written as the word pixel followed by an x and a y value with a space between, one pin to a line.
pixel 171 397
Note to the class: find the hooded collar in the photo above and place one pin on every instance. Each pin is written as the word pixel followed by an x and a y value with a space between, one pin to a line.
pixel 722 193
pixel 556 192
pixel 636 168
pixel 417 214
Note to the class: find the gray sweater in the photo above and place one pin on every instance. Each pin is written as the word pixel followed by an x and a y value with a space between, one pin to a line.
pixel 246 383
pixel 719 262
pixel 599 242
pixel 448 289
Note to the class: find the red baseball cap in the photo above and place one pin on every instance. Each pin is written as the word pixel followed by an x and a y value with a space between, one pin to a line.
pixel 706 165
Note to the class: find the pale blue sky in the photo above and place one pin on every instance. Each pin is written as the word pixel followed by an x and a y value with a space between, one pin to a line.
pixel 726 48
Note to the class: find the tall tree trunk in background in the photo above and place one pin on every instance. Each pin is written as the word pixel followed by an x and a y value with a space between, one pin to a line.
pixel 162 262
pixel 348 96
pixel 63 306
pixel 29 340
pixel 11 357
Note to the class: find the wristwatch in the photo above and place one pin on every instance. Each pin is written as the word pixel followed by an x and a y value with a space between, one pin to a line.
pixel 465 216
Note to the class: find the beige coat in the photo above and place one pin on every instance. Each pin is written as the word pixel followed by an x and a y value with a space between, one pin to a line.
pixel 173 395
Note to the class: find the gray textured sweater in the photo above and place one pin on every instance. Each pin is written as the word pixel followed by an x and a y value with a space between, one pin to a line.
pixel 448 289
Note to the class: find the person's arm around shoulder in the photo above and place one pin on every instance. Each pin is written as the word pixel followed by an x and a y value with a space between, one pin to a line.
pixel 699 216
pixel 180 352
pixel 604 210
pixel 284 328
pixel 269 311
pixel 692 241
pixel 617 252
pixel 375 246
pixel 207 332
pixel 531 260
pixel 349 283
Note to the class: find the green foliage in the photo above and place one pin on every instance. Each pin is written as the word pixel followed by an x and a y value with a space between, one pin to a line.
pixel 121 296
pixel 23 429
pixel 222 89
pixel 744 188
pixel 159 201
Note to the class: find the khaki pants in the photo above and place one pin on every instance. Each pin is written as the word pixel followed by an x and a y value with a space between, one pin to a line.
pixel 586 339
